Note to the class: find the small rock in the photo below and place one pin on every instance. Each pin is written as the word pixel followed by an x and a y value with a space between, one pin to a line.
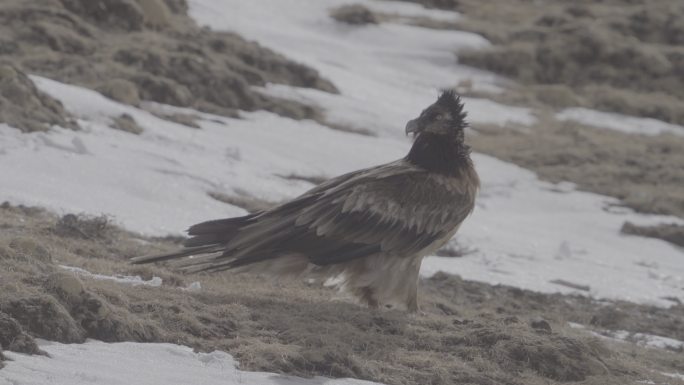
pixel 355 14
pixel 121 90
pixel 541 325
pixel 68 287
pixel 127 123
pixel 156 13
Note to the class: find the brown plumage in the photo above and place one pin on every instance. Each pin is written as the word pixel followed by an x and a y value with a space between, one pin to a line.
pixel 369 229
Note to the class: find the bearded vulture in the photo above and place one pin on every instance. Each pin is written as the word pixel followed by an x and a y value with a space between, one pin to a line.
pixel 368 229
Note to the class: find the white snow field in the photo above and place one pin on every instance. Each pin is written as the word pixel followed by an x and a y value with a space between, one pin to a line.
pixel 128 363
pixel 524 232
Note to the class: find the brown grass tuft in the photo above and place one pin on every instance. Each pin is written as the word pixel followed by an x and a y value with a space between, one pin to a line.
pixel 672 233
pixel 354 14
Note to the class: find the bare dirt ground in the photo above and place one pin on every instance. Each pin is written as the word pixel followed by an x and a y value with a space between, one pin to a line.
pixel 469 332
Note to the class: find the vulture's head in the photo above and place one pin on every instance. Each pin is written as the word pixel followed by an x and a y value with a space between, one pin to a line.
pixel 444 117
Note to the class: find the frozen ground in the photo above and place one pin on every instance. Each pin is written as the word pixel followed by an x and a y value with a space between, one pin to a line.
pixel 100 363
pixel 525 232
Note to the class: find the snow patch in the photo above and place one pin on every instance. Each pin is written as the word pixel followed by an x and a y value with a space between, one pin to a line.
pixel 133 280
pixel 645 340
pixel 618 122
pixel 123 363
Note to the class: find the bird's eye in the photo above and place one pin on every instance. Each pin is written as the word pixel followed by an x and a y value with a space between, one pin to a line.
pixel 439 117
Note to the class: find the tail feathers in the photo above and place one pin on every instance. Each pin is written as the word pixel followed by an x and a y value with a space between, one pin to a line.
pixel 210 241
pixel 216 231
pixel 212 266
pixel 180 254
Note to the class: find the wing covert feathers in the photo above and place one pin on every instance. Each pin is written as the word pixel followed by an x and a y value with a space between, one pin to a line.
pixel 397 209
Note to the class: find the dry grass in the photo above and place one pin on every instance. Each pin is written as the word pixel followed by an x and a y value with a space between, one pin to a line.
pixel 23 106
pixel 619 56
pixel 133 50
pixel 646 172
pixel 672 232
pixel 469 332
pixel 354 14
pixel 622 56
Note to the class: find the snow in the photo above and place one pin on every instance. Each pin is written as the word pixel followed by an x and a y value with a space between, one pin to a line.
pixel 524 232
pixel 618 122
pixel 531 234
pixel 132 280
pixel 642 339
pixel 386 73
pixel 674 375
pixel 123 363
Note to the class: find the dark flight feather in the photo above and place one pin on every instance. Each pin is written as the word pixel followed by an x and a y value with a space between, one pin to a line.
pixel 382 209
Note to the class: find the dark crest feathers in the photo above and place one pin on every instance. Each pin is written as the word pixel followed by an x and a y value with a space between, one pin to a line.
pixel 452 102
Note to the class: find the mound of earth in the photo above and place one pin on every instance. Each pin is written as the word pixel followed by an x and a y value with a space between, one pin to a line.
pixel 671 232
pixel 23 106
pixel 355 14
pixel 618 56
pixel 468 332
pixel 133 50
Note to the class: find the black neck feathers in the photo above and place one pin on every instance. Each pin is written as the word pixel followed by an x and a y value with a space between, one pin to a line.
pixel 440 154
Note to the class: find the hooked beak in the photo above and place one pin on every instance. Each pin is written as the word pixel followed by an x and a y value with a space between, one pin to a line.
pixel 412 127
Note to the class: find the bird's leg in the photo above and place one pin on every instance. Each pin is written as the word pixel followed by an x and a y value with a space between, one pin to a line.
pixel 368 297
pixel 412 301
pixel 412 289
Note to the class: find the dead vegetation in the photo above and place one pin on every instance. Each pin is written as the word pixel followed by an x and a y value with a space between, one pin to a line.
pixel 671 232
pixel 618 56
pixel 23 106
pixel 645 172
pixel 621 56
pixel 133 50
pixel 127 123
pixel 469 332
pixel 354 14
